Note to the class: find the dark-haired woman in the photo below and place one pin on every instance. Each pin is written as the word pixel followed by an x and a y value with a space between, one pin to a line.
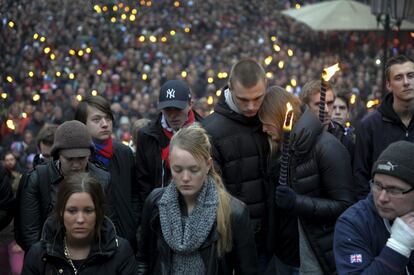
pixel 78 238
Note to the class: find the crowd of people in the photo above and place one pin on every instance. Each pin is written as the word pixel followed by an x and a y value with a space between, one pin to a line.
pixel 150 138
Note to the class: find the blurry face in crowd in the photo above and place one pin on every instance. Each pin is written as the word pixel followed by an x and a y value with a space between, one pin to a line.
pixel 45 150
pixel 248 100
pixel 99 124
pixel 401 81
pixel 392 206
pixel 175 117
pixel 9 162
pixel 340 111
pixel 73 165
pixel 187 172
pixel 79 217
pixel 314 101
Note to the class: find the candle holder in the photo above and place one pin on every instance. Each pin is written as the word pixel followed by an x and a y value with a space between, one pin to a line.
pixel 287 128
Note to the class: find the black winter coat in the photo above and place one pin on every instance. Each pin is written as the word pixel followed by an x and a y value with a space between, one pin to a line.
pixel 113 256
pixel 123 192
pixel 154 254
pixel 151 169
pixel 38 197
pixel 240 151
pixel 321 174
pixel 376 131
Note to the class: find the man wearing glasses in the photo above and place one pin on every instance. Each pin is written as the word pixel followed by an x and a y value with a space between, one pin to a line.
pixel 376 235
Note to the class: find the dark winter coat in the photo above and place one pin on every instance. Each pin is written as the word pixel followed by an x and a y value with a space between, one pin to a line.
pixel 155 255
pixel 240 151
pixel 320 173
pixel 38 196
pixel 123 192
pixel 376 131
pixel 360 238
pixel 152 172
pixel 6 199
pixel 112 256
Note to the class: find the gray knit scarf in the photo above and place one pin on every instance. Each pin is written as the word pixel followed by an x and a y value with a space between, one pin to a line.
pixel 185 235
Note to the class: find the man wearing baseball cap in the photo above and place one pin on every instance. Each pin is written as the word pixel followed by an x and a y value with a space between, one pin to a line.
pixel 153 141
pixel 376 235
pixel 71 150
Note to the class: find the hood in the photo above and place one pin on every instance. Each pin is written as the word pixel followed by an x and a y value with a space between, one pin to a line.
pixel 223 109
pixel 305 133
pixel 53 233
pixel 386 108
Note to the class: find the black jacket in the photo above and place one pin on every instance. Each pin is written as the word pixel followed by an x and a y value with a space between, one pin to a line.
pixel 112 256
pixel 346 138
pixel 124 193
pixel 240 151
pixel 155 255
pixel 6 199
pixel 38 196
pixel 151 169
pixel 376 131
pixel 320 173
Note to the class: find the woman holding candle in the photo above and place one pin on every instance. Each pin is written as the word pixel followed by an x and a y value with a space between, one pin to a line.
pixel 78 239
pixel 318 190
pixel 193 226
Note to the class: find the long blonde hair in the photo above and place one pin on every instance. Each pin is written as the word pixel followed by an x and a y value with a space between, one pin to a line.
pixel 273 110
pixel 195 140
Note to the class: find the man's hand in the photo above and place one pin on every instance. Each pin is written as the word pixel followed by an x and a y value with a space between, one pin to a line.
pixel 409 219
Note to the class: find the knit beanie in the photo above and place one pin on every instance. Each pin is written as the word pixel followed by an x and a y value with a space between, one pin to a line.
pixel 397 161
pixel 72 140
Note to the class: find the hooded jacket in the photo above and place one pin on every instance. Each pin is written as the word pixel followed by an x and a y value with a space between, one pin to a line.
pixel 112 255
pixel 320 173
pixel 37 199
pixel 376 131
pixel 240 149
pixel 154 254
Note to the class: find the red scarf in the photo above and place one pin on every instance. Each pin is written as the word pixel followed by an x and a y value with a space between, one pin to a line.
pixel 104 151
pixel 166 150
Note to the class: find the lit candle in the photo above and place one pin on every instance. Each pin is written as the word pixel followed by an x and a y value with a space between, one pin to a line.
pixel 327 73
pixel 287 128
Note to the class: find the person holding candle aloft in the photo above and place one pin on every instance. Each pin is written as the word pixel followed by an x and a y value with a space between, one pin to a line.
pixel 319 186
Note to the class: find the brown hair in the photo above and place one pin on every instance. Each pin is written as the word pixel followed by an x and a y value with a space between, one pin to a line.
pixel 273 109
pixel 195 140
pixel 97 102
pixel 46 135
pixel 246 72
pixel 399 59
pixel 79 183
pixel 310 88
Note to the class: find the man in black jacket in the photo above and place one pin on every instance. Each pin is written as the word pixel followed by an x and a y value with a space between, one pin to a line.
pixel 153 141
pixel 71 150
pixel 240 147
pixel 391 122
pixel 95 112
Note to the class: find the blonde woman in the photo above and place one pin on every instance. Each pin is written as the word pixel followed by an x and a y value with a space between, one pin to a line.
pixel 193 226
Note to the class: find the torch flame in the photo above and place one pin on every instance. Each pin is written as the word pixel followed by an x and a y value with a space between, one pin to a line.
pixel 10 124
pixel 330 71
pixel 287 124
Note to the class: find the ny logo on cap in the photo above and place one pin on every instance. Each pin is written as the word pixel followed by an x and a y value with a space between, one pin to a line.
pixel 170 93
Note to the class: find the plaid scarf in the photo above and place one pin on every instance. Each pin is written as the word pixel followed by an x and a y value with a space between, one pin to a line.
pixel 104 151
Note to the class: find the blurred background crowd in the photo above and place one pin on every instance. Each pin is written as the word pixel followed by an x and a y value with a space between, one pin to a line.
pixel 53 53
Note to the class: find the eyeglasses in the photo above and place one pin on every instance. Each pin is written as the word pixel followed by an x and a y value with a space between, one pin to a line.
pixel 392 191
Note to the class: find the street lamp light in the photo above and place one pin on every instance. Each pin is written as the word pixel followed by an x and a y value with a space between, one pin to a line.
pixel 385 10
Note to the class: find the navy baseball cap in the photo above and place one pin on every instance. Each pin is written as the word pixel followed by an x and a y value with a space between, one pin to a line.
pixel 174 93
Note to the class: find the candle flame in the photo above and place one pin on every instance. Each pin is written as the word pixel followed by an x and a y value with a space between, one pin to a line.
pixel 330 71
pixel 287 124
